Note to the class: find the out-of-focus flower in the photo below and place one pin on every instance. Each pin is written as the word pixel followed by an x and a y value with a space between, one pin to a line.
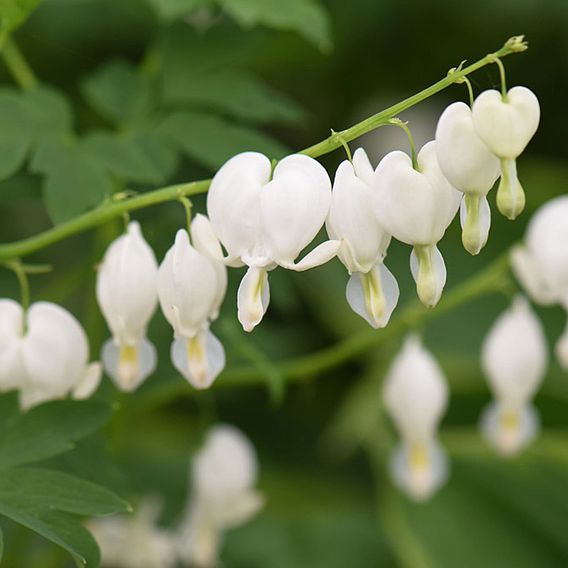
pixel 514 359
pixel 191 287
pixel 416 206
pixel 471 168
pixel 415 396
pixel 127 295
pixel 541 263
pixel 265 219
pixel 44 353
pixel 223 495
pixel 135 541
pixel 372 290
pixel 506 124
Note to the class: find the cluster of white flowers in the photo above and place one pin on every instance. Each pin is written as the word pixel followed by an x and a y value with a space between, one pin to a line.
pixel 222 496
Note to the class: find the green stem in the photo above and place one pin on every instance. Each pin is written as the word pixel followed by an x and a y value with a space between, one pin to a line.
pixel 404 126
pixel 187 207
pixel 18 269
pixel 17 65
pixel 110 210
pixel 503 80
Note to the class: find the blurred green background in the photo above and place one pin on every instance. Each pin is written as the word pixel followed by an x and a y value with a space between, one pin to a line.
pixel 188 88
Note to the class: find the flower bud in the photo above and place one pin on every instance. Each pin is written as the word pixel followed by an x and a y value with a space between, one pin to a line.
pixel 416 207
pixel 415 396
pixel 506 124
pixel 372 291
pixel 514 359
pixel 127 296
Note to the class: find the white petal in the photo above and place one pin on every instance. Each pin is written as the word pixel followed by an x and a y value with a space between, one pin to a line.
pixel 233 202
pixel 509 430
pixel 561 349
pixel 429 272
pixel 11 337
pixel 514 354
pixel 374 295
pixel 126 285
pixel 294 206
pixel 253 297
pixel 204 239
pixel 506 126
pixel 323 253
pixel 129 365
pixel 188 287
pixel 464 159
pixel 199 359
pixel 510 194
pixel 89 382
pixel 419 470
pixel 415 392
pixel 362 166
pixel 530 275
pixel 475 218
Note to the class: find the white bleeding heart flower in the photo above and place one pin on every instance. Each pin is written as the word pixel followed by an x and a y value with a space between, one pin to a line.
pixel 541 263
pixel 191 287
pixel 514 358
pixel 416 207
pixel 135 541
pixel 471 168
pixel 415 395
pixel 44 353
pixel 372 290
pixel 265 219
pixel 223 495
pixel 127 296
pixel 506 124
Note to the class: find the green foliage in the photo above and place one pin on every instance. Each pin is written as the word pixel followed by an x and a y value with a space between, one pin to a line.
pixel 49 501
pixel 13 13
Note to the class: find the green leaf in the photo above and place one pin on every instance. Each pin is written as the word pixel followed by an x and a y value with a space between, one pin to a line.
pixel 169 10
pixel 211 140
pixel 15 133
pixel 118 92
pixel 13 13
pixel 74 183
pixel 306 17
pixel 49 113
pixel 47 430
pixel 238 93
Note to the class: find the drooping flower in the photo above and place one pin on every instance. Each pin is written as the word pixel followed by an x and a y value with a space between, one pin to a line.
pixel 135 541
pixel 191 287
pixel 372 290
pixel 265 219
pixel 223 495
pixel 541 263
pixel 471 168
pixel 416 207
pixel 506 124
pixel 415 396
pixel 44 353
pixel 127 295
pixel 514 359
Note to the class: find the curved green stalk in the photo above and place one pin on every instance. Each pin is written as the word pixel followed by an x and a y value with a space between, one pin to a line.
pixel 335 140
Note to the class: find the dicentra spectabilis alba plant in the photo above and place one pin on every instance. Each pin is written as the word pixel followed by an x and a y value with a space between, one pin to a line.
pixel 191 286
pixel 372 290
pixel 415 203
pixel 415 395
pixel 265 218
pixel 541 263
pixel 514 359
pixel 44 353
pixel 223 495
pixel 127 295
pixel 506 122
pixel 471 168
pixel 135 541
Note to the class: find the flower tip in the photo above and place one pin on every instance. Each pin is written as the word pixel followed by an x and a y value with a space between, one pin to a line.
pixel 516 44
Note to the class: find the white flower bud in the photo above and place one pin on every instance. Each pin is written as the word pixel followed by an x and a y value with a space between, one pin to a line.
pixel 514 359
pixel 224 474
pixel 471 168
pixel 415 396
pixel 191 287
pixel 506 125
pixel 372 291
pixel 127 295
pixel 264 220
pixel 47 361
pixel 416 207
